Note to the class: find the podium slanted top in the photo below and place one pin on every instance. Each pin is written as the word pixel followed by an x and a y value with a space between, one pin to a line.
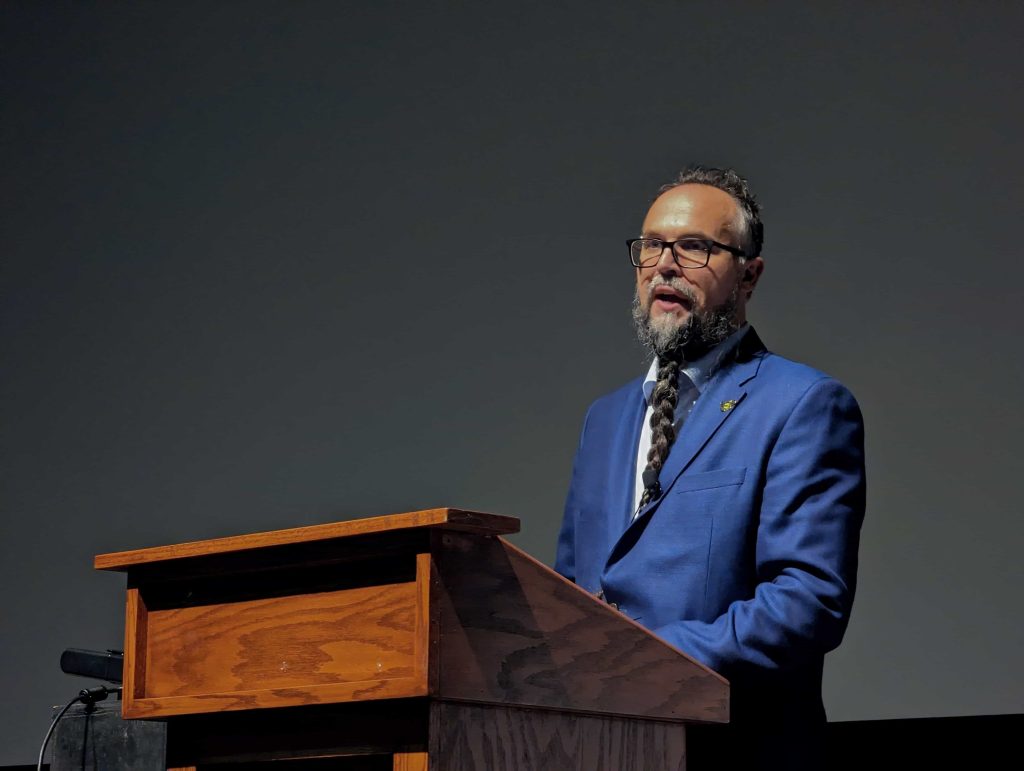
pixel 442 519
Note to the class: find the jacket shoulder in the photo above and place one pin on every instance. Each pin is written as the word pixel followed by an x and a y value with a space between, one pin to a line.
pixel 792 381
pixel 614 402
pixel 607 412
pixel 784 373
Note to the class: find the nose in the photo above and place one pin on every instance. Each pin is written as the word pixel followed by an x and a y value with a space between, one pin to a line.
pixel 667 265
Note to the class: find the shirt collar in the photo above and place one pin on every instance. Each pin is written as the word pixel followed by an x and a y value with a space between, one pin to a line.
pixel 701 370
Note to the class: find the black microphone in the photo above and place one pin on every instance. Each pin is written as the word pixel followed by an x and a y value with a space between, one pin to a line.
pixel 98 665
pixel 650 479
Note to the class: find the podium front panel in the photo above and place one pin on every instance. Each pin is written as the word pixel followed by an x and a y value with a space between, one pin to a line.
pixel 212 646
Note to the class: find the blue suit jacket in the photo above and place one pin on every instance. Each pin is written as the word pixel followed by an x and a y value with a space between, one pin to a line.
pixel 747 560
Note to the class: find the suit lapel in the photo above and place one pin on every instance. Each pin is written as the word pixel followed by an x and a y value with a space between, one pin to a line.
pixel 720 399
pixel 722 396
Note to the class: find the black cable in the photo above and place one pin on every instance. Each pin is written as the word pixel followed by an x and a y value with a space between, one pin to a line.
pixel 88 696
pixel 46 739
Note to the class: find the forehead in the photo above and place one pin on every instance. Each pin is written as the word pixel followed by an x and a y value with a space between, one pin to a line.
pixel 692 208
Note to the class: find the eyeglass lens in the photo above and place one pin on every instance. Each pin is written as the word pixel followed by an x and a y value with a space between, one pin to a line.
pixel 691 252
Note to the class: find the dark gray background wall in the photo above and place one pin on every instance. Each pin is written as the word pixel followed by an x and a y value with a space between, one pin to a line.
pixel 272 264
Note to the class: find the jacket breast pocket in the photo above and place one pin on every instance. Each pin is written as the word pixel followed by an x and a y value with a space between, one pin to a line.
pixel 709 480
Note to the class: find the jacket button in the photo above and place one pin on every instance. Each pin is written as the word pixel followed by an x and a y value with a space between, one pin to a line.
pixel 614 605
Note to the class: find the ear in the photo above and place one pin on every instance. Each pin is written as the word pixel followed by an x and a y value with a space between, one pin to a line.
pixel 752 270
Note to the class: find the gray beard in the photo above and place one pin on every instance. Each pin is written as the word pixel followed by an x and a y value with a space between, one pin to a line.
pixel 701 331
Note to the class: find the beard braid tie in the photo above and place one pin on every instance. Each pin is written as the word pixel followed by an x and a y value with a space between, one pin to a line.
pixel 664 399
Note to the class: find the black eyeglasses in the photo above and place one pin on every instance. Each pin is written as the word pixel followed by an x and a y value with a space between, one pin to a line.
pixel 687 252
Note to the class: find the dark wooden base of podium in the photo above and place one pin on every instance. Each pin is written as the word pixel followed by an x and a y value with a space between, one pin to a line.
pixel 425 735
pixel 474 737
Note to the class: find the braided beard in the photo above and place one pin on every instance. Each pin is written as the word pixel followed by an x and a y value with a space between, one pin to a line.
pixel 701 331
pixel 674 344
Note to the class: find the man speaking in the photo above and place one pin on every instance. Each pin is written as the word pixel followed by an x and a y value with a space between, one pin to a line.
pixel 718 500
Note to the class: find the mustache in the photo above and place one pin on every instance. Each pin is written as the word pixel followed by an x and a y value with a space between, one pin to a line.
pixel 675 283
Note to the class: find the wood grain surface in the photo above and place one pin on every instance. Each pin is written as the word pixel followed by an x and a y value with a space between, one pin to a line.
pixel 526 670
pixel 169 706
pixel 512 631
pixel 350 644
pixel 351 635
pixel 134 668
pixel 451 519
pixel 424 652
pixel 475 737
pixel 410 761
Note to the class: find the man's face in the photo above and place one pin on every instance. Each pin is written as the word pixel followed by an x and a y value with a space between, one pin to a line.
pixel 714 296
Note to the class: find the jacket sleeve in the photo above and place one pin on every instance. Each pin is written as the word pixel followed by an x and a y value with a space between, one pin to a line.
pixel 807 538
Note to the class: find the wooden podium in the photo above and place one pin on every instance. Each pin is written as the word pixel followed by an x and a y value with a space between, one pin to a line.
pixel 408 642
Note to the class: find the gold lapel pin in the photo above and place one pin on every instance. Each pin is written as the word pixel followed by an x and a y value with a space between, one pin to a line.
pixel 726 406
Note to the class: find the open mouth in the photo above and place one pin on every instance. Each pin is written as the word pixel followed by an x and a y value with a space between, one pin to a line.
pixel 667 298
